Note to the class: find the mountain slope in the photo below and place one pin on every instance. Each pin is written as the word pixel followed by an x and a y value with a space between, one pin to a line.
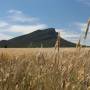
pixel 46 37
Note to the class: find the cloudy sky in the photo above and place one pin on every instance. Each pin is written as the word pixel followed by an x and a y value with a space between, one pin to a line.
pixel 19 17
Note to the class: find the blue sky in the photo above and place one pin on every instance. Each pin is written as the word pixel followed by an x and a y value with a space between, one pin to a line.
pixel 18 17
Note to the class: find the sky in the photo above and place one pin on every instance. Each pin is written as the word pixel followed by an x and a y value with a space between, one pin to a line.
pixel 69 17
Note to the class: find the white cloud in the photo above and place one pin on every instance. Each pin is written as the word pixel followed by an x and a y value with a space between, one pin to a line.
pixel 68 35
pixel 3 24
pixel 18 22
pixel 19 16
pixel 15 11
pixel 82 26
pixel 5 36
pixel 26 28
pixel 74 33
pixel 86 2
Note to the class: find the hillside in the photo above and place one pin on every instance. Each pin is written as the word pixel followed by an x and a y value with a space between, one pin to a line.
pixel 46 37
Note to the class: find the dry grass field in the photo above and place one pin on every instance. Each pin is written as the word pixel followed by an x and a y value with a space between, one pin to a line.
pixel 44 69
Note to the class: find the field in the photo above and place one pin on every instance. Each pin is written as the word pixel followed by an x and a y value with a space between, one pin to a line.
pixel 44 69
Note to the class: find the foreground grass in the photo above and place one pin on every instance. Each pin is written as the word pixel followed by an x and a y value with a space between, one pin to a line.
pixel 44 69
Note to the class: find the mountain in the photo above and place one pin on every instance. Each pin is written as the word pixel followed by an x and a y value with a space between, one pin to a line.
pixel 46 37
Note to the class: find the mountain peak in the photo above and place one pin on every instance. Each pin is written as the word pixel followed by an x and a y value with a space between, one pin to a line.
pixel 47 37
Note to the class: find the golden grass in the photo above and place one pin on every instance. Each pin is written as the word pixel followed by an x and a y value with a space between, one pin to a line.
pixel 41 69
